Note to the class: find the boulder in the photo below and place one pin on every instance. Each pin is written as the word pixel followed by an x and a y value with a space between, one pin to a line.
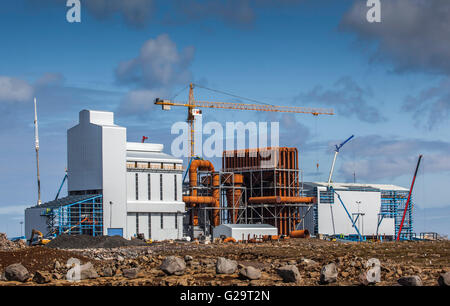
pixel 188 258
pixel 410 281
pixel 371 276
pixel 173 265
pixel 328 274
pixel 130 273
pixel 444 279
pixel 108 272
pixel 16 272
pixel 225 266
pixel 42 277
pixel 87 271
pixel 250 273
pixel 289 274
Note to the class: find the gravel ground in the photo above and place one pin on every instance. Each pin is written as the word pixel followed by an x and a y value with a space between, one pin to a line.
pixel 426 259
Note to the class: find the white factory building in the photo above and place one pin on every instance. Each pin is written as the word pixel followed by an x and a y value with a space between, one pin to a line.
pixel 377 209
pixel 137 187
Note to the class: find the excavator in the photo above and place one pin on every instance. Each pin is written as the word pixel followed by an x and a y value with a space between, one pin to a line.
pixel 37 238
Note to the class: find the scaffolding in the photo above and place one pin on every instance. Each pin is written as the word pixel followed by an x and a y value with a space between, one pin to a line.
pixel 392 206
pixel 75 215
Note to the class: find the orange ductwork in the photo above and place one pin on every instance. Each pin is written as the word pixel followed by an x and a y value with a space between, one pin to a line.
pixel 234 195
pixel 193 200
pixel 300 234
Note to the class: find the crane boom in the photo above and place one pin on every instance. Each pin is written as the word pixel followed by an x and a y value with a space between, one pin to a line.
pixel 192 104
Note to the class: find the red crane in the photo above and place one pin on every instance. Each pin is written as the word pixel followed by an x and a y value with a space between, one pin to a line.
pixel 409 198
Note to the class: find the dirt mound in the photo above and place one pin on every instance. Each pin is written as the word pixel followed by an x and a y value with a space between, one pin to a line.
pixel 88 242
pixel 8 245
pixel 37 258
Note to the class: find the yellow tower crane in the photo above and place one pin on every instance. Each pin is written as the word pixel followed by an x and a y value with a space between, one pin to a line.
pixel 192 106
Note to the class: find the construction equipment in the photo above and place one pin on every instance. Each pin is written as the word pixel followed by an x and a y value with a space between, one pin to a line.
pixel 60 187
pixel 409 198
pixel 40 240
pixel 336 152
pixel 193 111
pixel 36 146
pixel 76 225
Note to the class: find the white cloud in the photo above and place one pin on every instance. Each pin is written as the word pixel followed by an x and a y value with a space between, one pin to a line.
pixel 159 64
pixel 14 90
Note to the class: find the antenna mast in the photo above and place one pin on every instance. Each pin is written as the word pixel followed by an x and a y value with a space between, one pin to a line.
pixel 36 145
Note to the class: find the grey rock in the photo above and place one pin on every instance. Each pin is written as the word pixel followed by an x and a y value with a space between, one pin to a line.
pixel 88 272
pixel 108 272
pixel 309 262
pixel 371 276
pixel 188 258
pixel 444 279
pixel 16 272
pixel 57 265
pixel 130 273
pixel 225 266
pixel 410 281
pixel 289 274
pixel 328 274
pixel 3 277
pixel 250 272
pixel 41 277
pixel 173 265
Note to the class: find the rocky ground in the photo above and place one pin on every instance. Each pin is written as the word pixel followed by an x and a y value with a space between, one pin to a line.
pixel 294 262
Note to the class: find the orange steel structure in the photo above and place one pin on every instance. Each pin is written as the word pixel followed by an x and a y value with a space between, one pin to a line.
pixel 273 190
pixel 196 202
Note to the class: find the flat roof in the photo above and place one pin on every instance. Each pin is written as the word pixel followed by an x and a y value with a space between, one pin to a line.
pixel 65 201
pixel 250 226
pixel 357 185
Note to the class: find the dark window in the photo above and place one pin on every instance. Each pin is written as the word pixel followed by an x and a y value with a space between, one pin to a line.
pixel 137 187
pixel 175 185
pixel 148 187
pixel 137 224
pixel 162 220
pixel 161 186
pixel 176 220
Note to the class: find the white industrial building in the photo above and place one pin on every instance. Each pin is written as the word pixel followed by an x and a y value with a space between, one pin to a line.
pixel 115 187
pixel 376 208
pixel 243 232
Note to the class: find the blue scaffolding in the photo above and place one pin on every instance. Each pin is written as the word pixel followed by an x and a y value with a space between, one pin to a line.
pixel 392 206
pixel 75 215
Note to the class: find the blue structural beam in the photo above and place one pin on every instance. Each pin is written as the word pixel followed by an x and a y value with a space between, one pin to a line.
pixel 348 214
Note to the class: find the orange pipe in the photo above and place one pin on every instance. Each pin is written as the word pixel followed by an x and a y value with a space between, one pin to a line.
pixel 193 199
pixel 278 200
pixel 199 200
pixel 300 234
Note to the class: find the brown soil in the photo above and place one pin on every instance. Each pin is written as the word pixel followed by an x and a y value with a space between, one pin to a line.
pixel 37 258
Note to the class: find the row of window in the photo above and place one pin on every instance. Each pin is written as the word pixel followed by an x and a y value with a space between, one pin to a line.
pixel 148 165
pixel 150 222
pixel 175 184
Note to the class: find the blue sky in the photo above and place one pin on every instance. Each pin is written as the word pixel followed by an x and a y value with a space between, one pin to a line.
pixel 388 83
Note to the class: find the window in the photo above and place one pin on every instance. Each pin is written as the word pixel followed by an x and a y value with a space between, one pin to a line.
pixel 137 187
pixel 176 221
pixel 175 187
pixel 162 220
pixel 137 224
pixel 148 187
pixel 161 186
